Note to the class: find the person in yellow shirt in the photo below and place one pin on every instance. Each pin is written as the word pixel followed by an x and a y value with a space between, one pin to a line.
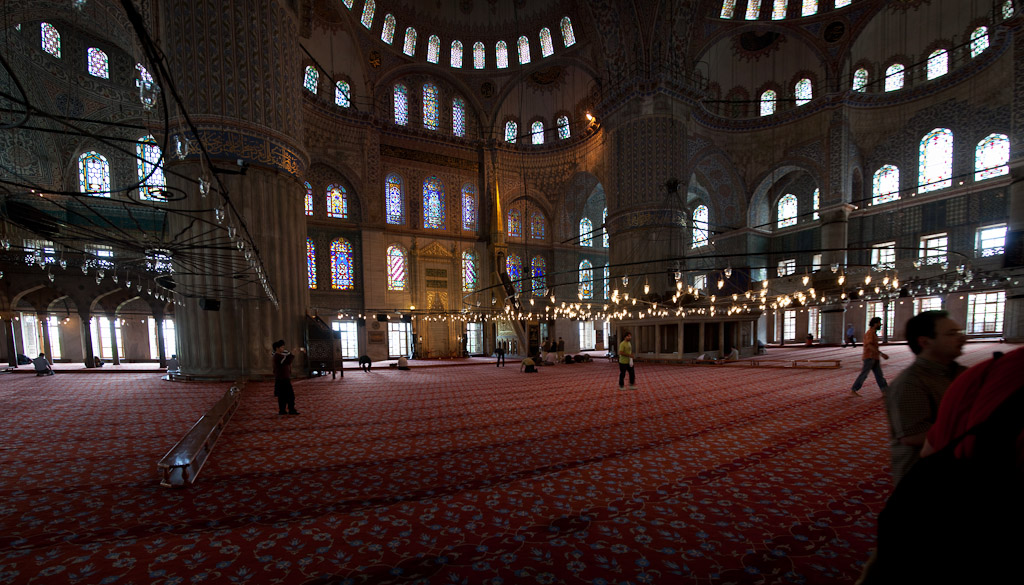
pixel 626 361
pixel 872 358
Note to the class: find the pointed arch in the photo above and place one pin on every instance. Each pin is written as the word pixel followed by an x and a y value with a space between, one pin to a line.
pixel 98 64
pixel 433 49
pixel 568 38
pixel 337 202
pixel 409 47
pixel 787 210
pixel 936 160
pixel 885 185
pixel 94 174
pixel 991 157
pixel 547 48
pixel 388 33
pixel 456 59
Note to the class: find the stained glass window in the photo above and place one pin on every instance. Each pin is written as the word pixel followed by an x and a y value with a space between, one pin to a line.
pixel 753 9
pixel 586 232
pixel 431 111
pixel 885 186
pixel 810 7
pixel 341 265
pixel 860 79
pixel 787 210
pixel 768 103
pixel 394 202
pixel 309 198
pixel 409 48
pixel 547 48
pixel 456 54
pixel 368 9
pixel 728 8
pixel 469 271
pixel 804 91
pixel 501 53
pixel 151 172
pixel 979 41
pixel 816 203
pixel 563 127
pixel 538 275
pixel 938 64
pixel 568 38
pixel 396 268
pixel 524 50
pixel 143 74
pixel 991 157
pixel 50 39
pixel 433 49
pixel 511 131
pixel 348 3
pixel 94 174
pixel 514 268
pixel 936 163
pixel 586 279
pixel 458 117
pixel 537 131
pixel 388 34
pixel 434 213
pixel 311 79
pixel 537 226
pixel 342 94
pixel 843 3
pixel 1008 9
pixel 337 202
pixel 401 104
pixel 779 9
pixel 515 223
pixel 469 207
pixel 479 53
pixel 607 283
pixel 98 64
pixel 311 263
pixel 894 77
pixel 604 226
pixel 700 226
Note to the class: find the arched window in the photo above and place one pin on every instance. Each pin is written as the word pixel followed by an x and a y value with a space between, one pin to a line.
pixel 604 226
pixel 434 213
pixel 537 131
pixel 1008 9
pixel 94 174
pixel 478 55
pixel 979 41
pixel 311 263
pixel 728 8
pixel 816 203
pixel 98 64
pixel 843 3
pixel 511 131
pixel 342 94
pixel 469 207
pixel 700 226
pixel 768 103
pixel 563 127
pixel 779 9
pixel 469 271
pixel 309 198
pixel 547 48
pixel 936 162
pixel 787 210
pixel 537 225
pixel 538 275
pixel 501 53
pixel 514 268
pixel 524 50
pixel 401 104
pixel 515 223
pixel 459 117
pixel 753 9
pixel 341 265
pixel 152 184
pixel 586 280
pixel 809 8
pixel 456 61
pixel 396 268
pixel 568 39
pixel 938 63
pixel 311 79
pixel 431 111
pixel 337 202
pixel 394 200
pixel 860 79
pixel 894 77
pixel 586 232
pixel 607 283
pixel 433 49
pixel 388 34
pixel 803 91
pixel 50 39
pixel 368 7
pixel 991 157
pixel 885 186
pixel 409 47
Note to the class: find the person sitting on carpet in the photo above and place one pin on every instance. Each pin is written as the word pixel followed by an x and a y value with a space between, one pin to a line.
pixel 173 367
pixel 42 366
pixel 97 362
pixel 529 366
pixel 732 355
pixel 365 363
pixel 403 363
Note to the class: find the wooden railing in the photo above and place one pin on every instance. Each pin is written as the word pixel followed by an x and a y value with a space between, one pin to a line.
pixel 182 464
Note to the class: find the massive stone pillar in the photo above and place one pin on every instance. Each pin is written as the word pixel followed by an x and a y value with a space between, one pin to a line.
pixel 1013 316
pixel 834 225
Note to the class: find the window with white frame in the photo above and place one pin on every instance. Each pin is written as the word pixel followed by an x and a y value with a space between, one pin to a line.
pixel 31 341
pixel 884 312
pixel 814 322
pixel 816 263
pixel 398 339
pixel 170 340
pixel 991 240
pixel 587 339
pixel 933 249
pixel 474 338
pixel 53 327
pixel 883 256
pixel 789 325
pixel 985 312
pixel 349 338
pixel 923 304
pixel 787 267
pixel 101 341
pixel 700 282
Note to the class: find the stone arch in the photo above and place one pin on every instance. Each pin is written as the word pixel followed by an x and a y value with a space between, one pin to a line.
pixel 760 211
pixel 725 191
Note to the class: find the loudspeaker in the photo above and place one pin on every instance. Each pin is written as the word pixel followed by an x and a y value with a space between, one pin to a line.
pixel 209 304
pixel 406 318
pixel 361 322
pixel 382 317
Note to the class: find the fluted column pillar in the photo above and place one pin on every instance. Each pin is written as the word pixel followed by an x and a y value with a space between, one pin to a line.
pixel 84 321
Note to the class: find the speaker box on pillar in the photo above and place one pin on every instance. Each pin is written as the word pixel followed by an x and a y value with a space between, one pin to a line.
pixel 209 304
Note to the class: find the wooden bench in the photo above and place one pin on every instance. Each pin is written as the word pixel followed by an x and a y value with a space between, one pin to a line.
pixel 817 364
pixel 182 464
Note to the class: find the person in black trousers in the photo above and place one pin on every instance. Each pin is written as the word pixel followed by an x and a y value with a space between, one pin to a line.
pixel 283 379
pixel 499 352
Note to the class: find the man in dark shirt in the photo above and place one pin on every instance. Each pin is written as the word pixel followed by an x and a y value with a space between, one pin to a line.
pixel 283 379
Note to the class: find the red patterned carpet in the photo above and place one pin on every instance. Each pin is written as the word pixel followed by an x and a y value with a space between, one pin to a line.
pixel 474 475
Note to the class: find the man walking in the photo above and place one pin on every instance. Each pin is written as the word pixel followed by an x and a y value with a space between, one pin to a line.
pixel 283 379
pixel 626 361
pixel 871 356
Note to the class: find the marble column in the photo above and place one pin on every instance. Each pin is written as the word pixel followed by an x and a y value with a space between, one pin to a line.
pixel 161 347
pixel 12 352
pixel 84 319
pixel 1013 257
pixel 115 354
pixel 41 316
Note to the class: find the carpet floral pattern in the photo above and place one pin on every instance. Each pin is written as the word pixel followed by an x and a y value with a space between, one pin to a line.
pixel 476 475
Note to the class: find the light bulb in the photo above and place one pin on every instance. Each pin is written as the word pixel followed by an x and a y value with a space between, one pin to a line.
pixel 805 279
pixel 867 279
pixel 647 288
pixel 842 278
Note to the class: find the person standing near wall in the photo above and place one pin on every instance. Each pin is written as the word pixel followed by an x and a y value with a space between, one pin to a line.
pixel 626 361
pixel 283 379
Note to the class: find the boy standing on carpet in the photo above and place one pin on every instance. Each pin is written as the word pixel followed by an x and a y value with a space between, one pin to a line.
pixel 283 379
pixel 872 358
pixel 626 361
